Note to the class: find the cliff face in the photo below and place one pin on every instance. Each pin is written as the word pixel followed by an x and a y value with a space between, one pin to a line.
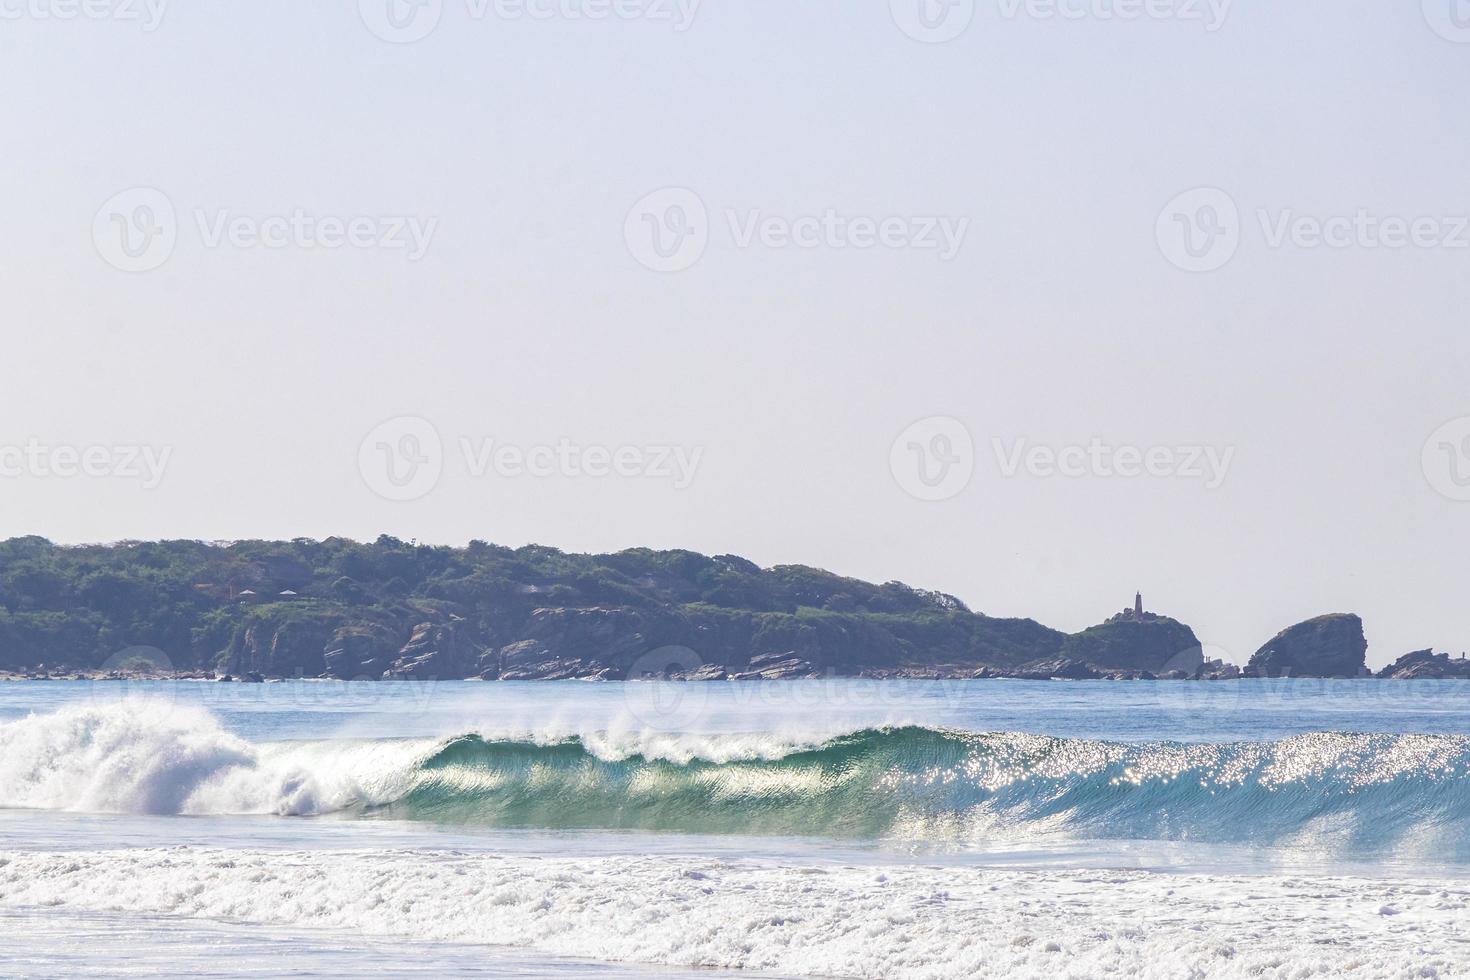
pixel 1155 644
pixel 1328 646
pixel 263 648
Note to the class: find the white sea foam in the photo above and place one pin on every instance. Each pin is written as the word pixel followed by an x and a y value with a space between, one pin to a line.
pixel 626 736
pixel 159 759
pixel 815 919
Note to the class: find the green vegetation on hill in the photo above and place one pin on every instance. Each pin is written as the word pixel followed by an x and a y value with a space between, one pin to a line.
pixel 337 606
pixel 1155 643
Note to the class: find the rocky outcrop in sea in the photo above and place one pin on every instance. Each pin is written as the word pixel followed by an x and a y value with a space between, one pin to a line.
pixel 1427 665
pixel 1327 646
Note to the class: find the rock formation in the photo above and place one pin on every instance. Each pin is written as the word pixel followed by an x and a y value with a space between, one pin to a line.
pixel 1426 665
pixel 1328 646
pixel 1137 641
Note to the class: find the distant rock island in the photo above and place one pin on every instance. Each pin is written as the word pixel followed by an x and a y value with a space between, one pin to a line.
pixel 391 609
pixel 1328 646
pixel 1427 665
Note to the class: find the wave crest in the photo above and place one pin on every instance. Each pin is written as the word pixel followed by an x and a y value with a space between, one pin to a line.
pixel 1330 791
pixel 138 759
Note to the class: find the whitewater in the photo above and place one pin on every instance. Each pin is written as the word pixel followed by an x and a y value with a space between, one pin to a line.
pixel 898 830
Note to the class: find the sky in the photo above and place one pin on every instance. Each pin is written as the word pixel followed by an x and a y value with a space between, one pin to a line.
pixel 1036 303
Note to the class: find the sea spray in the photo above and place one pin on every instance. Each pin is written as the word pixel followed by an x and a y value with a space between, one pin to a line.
pixel 158 758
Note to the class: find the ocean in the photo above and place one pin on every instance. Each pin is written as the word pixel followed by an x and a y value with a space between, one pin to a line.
pixel 811 828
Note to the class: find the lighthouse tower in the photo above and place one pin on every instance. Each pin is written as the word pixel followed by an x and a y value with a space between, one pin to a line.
pixel 1138 607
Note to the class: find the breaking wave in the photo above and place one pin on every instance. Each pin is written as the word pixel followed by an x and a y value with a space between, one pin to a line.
pixel 1342 792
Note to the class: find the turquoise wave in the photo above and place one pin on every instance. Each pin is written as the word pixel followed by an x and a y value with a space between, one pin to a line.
pixel 1368 793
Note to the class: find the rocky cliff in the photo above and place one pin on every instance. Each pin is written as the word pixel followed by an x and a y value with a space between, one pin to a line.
pixel 1427 665
pixel 1328 646
pixel 1153 644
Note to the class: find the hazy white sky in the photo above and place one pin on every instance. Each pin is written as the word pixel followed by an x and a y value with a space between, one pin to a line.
pixel 997 243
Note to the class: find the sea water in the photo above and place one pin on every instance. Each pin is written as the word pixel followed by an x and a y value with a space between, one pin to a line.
pixel 809 828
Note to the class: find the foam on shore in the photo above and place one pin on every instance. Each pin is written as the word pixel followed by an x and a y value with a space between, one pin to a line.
pixel 809 919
